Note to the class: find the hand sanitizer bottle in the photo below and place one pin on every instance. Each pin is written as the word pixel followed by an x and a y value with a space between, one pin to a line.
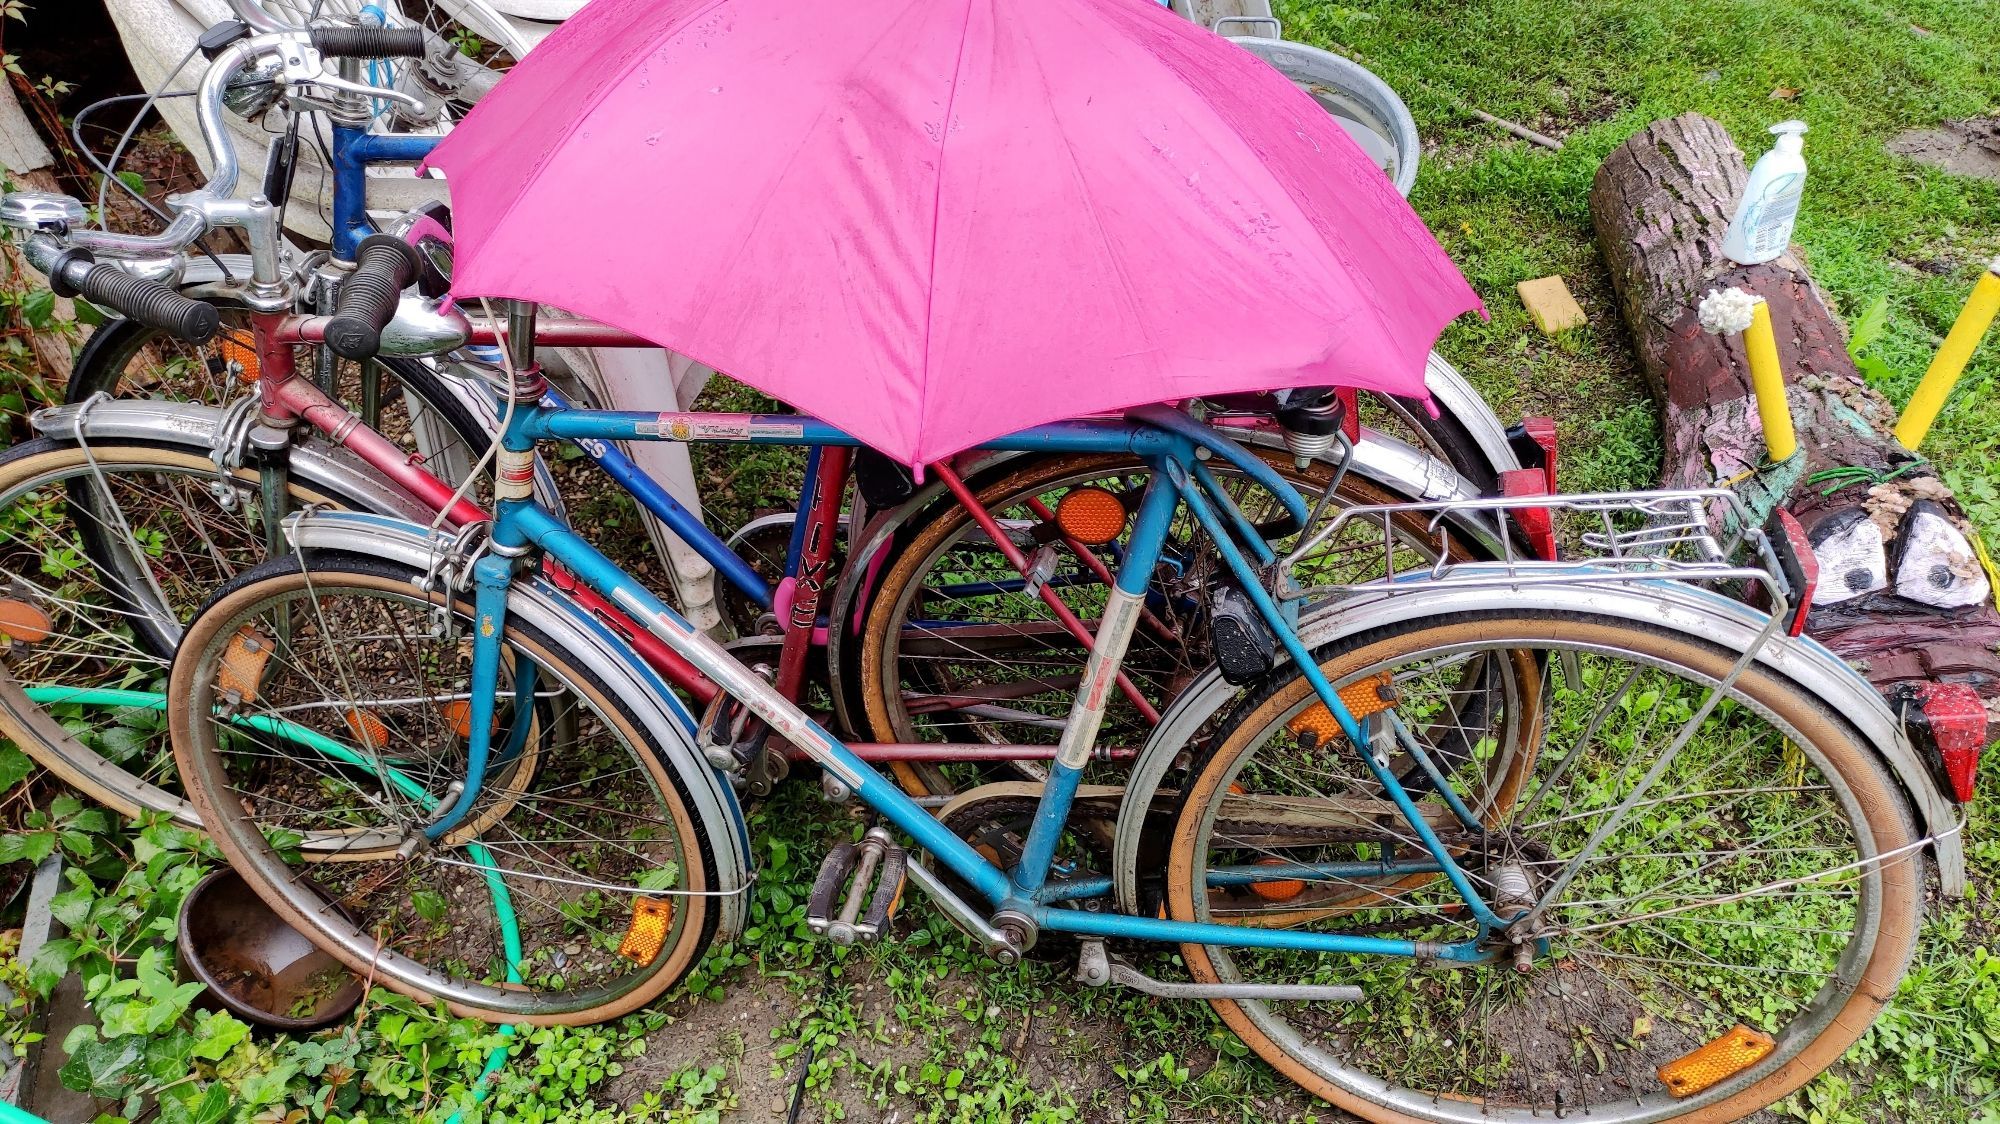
pixel 1763 224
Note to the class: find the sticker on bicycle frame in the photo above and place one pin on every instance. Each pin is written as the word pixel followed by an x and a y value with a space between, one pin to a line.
pixel 718 427
pixel 516 473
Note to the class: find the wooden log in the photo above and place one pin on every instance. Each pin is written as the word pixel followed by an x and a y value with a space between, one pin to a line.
pixel 1660 204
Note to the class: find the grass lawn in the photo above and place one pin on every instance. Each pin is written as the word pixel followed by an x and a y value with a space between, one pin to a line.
pixel 927 1029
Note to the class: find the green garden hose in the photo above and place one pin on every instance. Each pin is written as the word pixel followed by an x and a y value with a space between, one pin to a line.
pixel 503 901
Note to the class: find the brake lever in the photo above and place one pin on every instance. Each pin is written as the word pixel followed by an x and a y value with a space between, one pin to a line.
pixel 304 66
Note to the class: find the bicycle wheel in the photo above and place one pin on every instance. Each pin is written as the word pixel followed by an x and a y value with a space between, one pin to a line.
pixel 95 596
pixel 325 701
pixel 405 400
pixel 956 649
pixel 1732 877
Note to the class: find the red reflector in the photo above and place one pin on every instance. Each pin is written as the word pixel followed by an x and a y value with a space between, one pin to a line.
pixel 1537 524
pixel 1350 411
pixel 1799 563
pixel 1542 431
pixel 1949 721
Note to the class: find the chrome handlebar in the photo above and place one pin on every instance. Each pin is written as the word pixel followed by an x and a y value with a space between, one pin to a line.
pixel 253 14
pixel 213 205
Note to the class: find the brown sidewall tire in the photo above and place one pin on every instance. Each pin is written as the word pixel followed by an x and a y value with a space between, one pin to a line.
pixel 61 457
pixel 1885 808
pixel 697 916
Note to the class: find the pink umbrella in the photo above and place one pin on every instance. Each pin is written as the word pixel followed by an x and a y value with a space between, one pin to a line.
pixel 934 222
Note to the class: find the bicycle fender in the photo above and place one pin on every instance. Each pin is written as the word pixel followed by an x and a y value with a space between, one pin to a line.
pixel 313 460
pixel 1677 606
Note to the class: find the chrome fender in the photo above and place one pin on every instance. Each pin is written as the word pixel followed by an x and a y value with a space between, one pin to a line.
pixel 192 426
pixel 1675 605
pixel 1456 397
pixel 668 725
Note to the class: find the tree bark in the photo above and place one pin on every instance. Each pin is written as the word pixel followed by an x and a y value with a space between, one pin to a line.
pixel 1661 203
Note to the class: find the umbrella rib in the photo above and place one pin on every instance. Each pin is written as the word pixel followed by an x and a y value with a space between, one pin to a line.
pixel 937 224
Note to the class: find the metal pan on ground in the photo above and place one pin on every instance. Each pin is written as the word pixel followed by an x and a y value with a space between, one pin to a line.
pixel 255 965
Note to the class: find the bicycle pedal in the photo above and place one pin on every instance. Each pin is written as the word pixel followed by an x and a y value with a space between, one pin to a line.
pixel 864 881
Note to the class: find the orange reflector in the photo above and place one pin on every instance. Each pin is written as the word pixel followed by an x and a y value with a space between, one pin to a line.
pixel 647 934
pixel 25 622
pixel 1277 890
pixel 369 730
pixel 1737 1050
pixel 242 670
pixel 1091 516
pixel 457 715
pixel 242 356
pixel 1362 698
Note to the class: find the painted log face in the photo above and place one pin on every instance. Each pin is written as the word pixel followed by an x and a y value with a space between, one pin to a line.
pixel 1905 593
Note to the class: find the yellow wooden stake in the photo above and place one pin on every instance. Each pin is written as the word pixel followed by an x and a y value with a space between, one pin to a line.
pixel 1767 378
pixel 1966 332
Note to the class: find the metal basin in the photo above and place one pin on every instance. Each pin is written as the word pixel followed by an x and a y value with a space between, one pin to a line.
pixel 255 965
pixel 1363 104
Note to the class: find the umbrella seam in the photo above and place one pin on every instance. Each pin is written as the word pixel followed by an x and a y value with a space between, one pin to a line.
pixel 937 213
pixel 1132 304
pixel 611 85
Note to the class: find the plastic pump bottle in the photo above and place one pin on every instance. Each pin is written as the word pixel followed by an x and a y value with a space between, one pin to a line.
pixel 1763 224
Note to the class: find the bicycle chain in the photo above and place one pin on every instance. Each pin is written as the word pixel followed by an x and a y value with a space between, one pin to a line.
pixel 1107 808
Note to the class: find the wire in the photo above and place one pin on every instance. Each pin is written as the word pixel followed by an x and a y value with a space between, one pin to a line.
pixel 506 419
pixel 104 189
pixel 76 136
pixel 108 169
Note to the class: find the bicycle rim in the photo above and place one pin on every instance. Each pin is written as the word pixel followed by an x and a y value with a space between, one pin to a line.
pixel 114 579
pixel 358 731
pixel 956 649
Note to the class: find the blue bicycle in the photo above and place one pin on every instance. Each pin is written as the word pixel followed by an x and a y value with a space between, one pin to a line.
pixel 1469 842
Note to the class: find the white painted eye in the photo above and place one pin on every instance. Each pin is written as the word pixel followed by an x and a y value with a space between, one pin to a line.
pixel 1935 565
pixel 1852 559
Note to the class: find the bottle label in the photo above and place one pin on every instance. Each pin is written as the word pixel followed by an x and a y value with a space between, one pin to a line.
pixel 1771 220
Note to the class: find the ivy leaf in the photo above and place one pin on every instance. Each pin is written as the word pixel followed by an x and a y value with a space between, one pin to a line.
pixel 211 1106
pixel 122 743
pixel 38 308
pixel 14 766
pixel 51 963
pixel 170 1057
pixel 216 1033
pixel 105 1069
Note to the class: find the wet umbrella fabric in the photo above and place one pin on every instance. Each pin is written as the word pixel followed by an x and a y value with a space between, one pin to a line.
pixel 934 222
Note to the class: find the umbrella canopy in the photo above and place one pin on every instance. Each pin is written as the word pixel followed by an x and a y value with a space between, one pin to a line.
pixel 934 222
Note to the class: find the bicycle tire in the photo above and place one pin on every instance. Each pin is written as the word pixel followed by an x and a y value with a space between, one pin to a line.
pixel 1589 985
pixel 887 624
pixel 342 588
pixel 43 466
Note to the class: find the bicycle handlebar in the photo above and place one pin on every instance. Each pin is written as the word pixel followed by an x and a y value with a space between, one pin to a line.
pixel 384 266
pixel 77 273
pixel 370 42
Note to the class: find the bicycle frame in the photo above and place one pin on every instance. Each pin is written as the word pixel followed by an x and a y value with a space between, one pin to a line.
pixel 1174 446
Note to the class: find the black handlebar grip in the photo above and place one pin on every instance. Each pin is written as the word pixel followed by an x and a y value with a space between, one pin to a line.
pixel 383 267
pixel 146 301
pixel 369 42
